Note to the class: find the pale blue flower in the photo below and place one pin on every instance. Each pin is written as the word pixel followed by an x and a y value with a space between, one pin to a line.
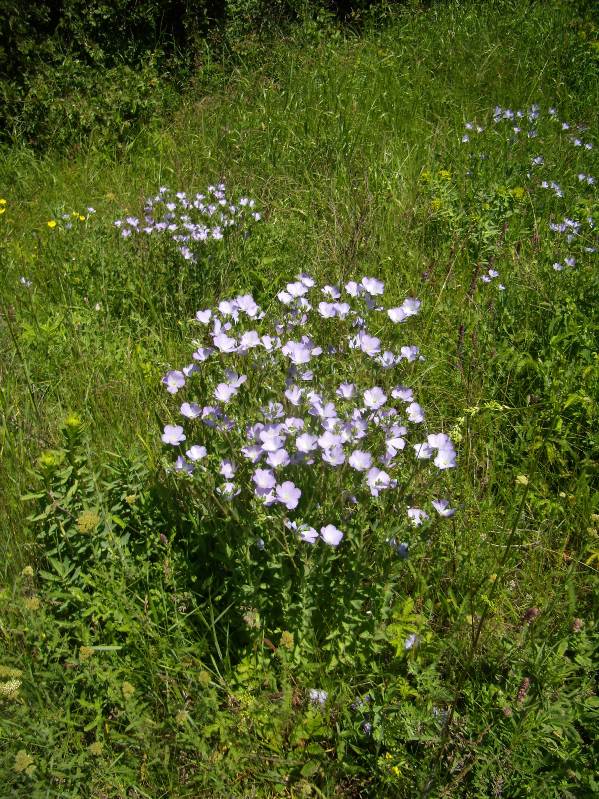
pixel 417 516
pixel 173 434
pixel 196 452
pixel 181 465
pixel 415 413
pixel 306 442
pixel 174 380
pixel 190 410
pixel 373 286
pixel 374 398
pixel 331 535
pixel 442 507
pixel 360 461
pixel 288 494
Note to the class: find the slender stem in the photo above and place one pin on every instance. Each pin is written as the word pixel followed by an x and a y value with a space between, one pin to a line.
pixel 473 647
pixel 15 342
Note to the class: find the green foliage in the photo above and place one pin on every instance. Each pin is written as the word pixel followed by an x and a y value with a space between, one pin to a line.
pixel 143 650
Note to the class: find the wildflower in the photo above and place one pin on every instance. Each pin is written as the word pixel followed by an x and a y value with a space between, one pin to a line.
pixel 442 507
pixel 96 748
pixel 181 465
pixel 10 690
pixel 190 410
pixel 224 343
pixel 373 286
pixel 27 571
pixel 173 434
pixel 87 521
pixel 403 393
pixel 24 763
pixel 271 439
pixel 423 451
pixel 51 224
pixel 317 697
pixel 410 353
pixel 334 456
pixel 417 516
pixel 360 461
pixel 415 413
pixel 23 280
pixel 306 442
pixel 378 481
pixel 227 469
pixel 85 652
pixel 173 380
pixel 331 535
pixel 278 459
pixel 446 458
pixel 370 345
pixel 127 690
pixel 288 494
pixel 374 398
pixel 306 533
pixel 410 641
pixel 196 452
pixel 228 490
pixel 224 392
pixel 410 307
pixel 297 352
pixel 523 690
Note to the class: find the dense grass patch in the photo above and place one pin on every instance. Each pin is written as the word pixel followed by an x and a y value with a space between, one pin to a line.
pixel 149 645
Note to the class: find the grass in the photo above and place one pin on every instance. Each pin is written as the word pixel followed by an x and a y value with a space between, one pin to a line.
pixel 140 675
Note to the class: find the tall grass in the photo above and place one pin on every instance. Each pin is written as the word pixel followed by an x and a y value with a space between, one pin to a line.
pixel 352 146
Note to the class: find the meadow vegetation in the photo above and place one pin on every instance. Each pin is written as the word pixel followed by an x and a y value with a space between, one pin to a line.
pixel 299 442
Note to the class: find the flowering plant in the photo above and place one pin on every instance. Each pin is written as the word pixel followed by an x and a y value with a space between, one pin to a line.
pixel 190 221
pixel 294 422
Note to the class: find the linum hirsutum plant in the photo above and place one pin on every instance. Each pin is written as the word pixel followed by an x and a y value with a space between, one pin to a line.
pixel 190 221
pixel 562 184
pixel 303 412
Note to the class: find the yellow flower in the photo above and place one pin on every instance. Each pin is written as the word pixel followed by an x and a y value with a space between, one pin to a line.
pixel 127 689
pixel 182 718
pixel 23 762
pixel 286 640
pixel 85 652
pixel 2 209
pixel 81 218
pixel 204 679
pixel 33 603
pixel 95 748
pixel 51 224
pixel 27 571
pixel 87 521
pixel 518 193
pixel 2 201
pixel 436 203
pixel 445 174
pixel 522 480
pixel 10 690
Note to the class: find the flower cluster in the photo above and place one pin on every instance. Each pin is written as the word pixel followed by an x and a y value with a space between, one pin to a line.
pixel 190 221
pixel 527 124
pixel 66 221
pixel 310 396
